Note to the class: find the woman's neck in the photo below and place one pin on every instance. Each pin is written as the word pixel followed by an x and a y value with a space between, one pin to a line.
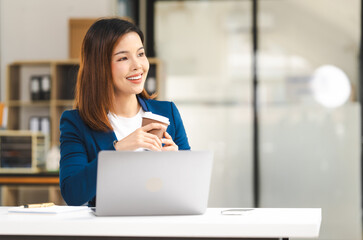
pixel 126 106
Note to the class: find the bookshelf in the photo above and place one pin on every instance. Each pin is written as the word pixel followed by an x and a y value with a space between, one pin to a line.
pixel 21 106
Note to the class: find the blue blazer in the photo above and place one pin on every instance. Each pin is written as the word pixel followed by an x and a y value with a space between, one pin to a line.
pixel 79 147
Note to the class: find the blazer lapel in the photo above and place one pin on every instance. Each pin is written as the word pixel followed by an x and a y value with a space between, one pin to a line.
pixel 142 103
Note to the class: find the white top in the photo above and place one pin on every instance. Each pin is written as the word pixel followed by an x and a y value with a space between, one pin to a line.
pixel 123 126
pixel 258 223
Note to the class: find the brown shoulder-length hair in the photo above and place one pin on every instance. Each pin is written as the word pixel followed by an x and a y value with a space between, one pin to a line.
pixel 94 93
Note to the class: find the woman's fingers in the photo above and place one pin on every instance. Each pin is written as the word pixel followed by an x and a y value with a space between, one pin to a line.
pixel 154 141
pixel 171 148
pixel 154 137
pixel 152 126
pixel 169 144
pixel 167 135
pixel 151 146
pixel 142 139
pixel 167 141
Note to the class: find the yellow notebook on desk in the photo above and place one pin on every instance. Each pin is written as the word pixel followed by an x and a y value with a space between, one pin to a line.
pixel 47 210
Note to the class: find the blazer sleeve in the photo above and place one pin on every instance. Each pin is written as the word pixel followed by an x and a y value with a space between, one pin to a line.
pixel 77 172
pixel 180 138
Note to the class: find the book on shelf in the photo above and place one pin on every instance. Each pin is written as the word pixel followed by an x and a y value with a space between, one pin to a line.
pixel 3 116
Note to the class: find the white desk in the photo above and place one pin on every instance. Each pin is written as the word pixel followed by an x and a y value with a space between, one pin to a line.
pixel 259 223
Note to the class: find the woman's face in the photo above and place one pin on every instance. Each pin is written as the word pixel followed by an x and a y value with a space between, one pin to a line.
pixel 129 65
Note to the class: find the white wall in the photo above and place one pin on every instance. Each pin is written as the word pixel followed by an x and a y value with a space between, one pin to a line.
pixel 38 29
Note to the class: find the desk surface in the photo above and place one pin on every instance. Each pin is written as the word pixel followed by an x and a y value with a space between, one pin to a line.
pixel 259 223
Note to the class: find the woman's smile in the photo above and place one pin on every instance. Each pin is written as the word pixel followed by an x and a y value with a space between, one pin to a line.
pixel 136 78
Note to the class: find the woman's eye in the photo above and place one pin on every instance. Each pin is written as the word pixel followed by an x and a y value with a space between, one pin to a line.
pixel 141 54
pixel 122 59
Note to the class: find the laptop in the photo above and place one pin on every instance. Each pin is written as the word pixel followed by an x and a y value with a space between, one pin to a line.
pixel 153 183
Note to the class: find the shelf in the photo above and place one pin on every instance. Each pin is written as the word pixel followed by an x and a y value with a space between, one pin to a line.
pixel 45 62
pixel 31 63
pixel 64 103
pixel 19 103
pixel 22 179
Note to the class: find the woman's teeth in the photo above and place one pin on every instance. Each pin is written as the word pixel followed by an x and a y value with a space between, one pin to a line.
pixel 134 78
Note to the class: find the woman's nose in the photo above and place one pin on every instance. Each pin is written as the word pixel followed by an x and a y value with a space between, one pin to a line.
pixel 136 64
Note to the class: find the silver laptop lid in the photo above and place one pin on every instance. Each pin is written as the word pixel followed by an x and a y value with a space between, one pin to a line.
pixel 153 183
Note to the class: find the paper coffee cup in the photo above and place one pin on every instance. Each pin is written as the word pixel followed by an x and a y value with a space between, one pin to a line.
pixel 150 117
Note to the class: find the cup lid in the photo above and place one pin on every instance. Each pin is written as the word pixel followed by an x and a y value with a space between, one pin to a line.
pixel 156 117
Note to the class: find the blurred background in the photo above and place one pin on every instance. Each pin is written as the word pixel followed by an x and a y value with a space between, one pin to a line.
pixel 271 86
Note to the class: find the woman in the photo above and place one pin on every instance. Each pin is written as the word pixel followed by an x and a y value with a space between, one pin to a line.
pixel 109 101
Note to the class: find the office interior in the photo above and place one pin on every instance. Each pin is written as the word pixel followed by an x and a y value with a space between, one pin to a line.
pixel 272 87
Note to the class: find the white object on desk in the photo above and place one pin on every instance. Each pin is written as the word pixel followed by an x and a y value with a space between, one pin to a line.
pixel 259 223
pixel 47 210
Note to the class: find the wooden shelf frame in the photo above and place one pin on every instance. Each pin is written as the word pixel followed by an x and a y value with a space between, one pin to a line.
pixel 29 180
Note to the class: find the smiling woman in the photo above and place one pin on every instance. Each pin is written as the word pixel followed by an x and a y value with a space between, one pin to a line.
pixel 102 50
pixel 109 104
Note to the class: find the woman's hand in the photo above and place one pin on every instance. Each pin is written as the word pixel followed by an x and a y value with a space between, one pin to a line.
pixel 140 138
pixel 169 144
